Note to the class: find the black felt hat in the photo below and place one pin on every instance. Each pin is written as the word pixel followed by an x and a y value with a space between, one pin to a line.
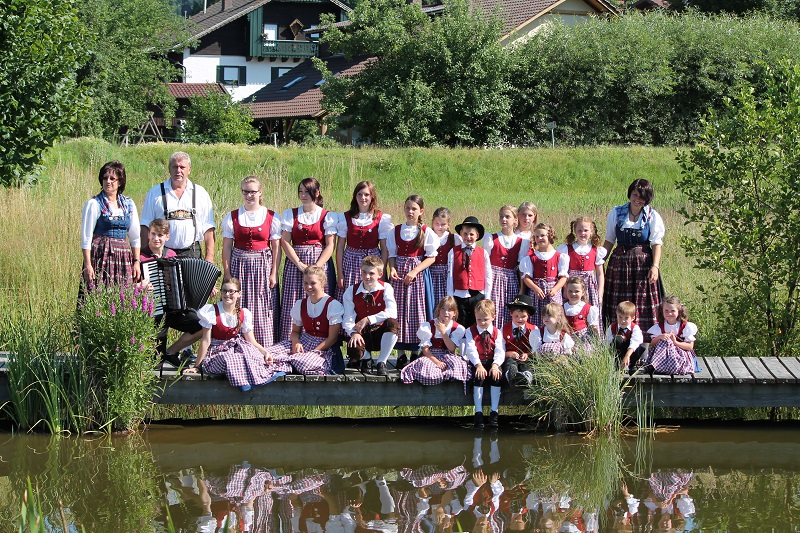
pixel 472 222
pixel 522 301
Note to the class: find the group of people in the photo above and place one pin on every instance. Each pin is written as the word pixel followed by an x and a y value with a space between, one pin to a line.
pixel 453 309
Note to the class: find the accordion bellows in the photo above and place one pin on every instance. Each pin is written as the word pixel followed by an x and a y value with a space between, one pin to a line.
pixel 180 284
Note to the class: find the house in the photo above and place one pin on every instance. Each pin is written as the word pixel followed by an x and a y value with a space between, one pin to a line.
pixel 649 5
pixel 246 44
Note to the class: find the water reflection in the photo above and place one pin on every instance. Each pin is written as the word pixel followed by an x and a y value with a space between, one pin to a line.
pixel 390 480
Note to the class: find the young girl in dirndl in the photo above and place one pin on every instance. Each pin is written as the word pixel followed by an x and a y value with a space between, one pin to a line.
pixel 672 341
pixel 309 234
pixel 505 249
pixel 527 218
pixel 555 332
pixel 412 249
pixel 586 258
pixel 544 272
pixel 251 252
pixel 228 345
pixel 439 340
pixel 582 316
pixel 362 231
pixel 316 321
pixel 447 240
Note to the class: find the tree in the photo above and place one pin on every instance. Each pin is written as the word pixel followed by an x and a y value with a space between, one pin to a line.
pixel 433 81
pixel 743 183
pixel 217 118
pixel 40 96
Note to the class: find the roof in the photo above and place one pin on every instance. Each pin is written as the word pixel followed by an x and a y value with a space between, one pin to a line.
pixel 650 4
pixel 301 99
pixel 187 90
pixel 516 14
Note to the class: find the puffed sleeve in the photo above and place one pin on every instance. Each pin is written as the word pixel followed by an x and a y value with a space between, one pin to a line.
pixel 654 330
pixel 330 223
pixel 297 318
pixel 335 312
pixel 535 338
pixel 563 265
pixel 690 332
pixel 385 226
pixel 424 334
pixel 526 267
pixel 275 228
pixel 487 243
pixel 341 225
pixel 391 245
pixel 207 316
pixel 457 334
pixel 601 255
pixel 594 317
pixel 247 324
pixel 135 231
pixel 89 216
pixel 287 220
pixel 610 336
pixel 611 226
pixel 657 229
pixel 567 344
pixel 524 248
pixel 563 250
pixel 227 226
pixel 431 242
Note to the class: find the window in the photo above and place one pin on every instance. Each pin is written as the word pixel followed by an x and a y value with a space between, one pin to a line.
pixel 230 75
pixel 270 32
pixel 293 82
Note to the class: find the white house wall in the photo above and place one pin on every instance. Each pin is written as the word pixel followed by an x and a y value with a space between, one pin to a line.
pixel 570 13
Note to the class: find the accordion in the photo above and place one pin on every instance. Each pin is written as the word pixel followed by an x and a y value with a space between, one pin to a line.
pixel 180 284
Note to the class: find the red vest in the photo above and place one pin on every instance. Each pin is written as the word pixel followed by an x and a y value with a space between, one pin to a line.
pixel 545 269
pixel 474 278
pixel 524 346
pixel 363 237
pixel 436 342
pixel 246 238
pixel 444 249
pixel 408 248
pixel 365 306
pixel 578 322
pixel 318 325
pixel 627 334
pixel 485 349
pixel 583 263
pixel 679 336
pixel 304 234
pixel 220 331
pixel 504 257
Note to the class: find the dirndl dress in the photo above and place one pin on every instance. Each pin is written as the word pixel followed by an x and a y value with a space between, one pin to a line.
pixel 426 372
pixel 667 358
pixel 537 318
pixel 410 299
pixel 111 255
pixel 293 284
pixel 505 287
pixel 311 362
pixel 253 268
pixel 241 362
pixel 351 267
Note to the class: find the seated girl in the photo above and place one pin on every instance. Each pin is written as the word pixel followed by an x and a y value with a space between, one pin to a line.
pixel 316 321
pixel 439 339
pixel 672 343
pixel 555 334
pixel 228 345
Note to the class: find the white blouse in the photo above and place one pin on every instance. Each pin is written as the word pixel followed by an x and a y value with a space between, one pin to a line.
pixel 90 214
pixel 656 224
pixel 594 313
pixel 328 225
pixel 409 233
pixel 584 249
pixel 364 219
pixel 566 343
pixel 507 241
pixel 424 334
pixel 526 264
pixel 208 318
pixel 252 219
pixel 689 332
pixel 335 311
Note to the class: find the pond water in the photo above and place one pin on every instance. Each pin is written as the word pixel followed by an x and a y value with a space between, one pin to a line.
pixel 410 476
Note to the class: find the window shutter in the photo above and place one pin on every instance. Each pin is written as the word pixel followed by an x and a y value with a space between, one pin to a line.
pixel 242 76
pixel 220 74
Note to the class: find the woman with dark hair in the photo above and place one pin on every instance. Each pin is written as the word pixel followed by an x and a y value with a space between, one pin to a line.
pixel 110 234
pixel 308 238
pixel 633 271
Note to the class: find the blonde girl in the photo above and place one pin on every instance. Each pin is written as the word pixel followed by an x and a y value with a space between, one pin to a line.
pixel 505 248
pixel 544 272
pixel 447 240
pixel 555 334
pixel 586 258
pixel 672 340
pixel 583 317
pixel 527 218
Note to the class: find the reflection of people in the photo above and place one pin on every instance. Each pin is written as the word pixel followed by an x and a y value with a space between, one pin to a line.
pixel 110 233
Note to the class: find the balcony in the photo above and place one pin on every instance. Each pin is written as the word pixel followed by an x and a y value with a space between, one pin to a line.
pixel 287 49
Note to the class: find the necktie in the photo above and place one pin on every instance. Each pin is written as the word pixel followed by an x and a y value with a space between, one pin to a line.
pixel 467 257
pixel 369 299
pixel 485 342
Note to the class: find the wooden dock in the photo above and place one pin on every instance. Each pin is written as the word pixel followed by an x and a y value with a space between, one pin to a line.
pixel 723 382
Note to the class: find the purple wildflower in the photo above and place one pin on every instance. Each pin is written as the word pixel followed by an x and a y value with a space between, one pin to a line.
pixel 136 290
pixel 98 313
pixel 141 347
pixel 133 339
pixel 122 295
pixel 134 303
pixel 144 303
pixel 113 309
pixel 152 308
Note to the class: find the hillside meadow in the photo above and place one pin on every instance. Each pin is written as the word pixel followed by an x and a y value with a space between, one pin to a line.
pixel 40 257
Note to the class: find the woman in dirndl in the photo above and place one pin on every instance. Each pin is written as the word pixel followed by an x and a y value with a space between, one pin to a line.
pixel 308 238
pixel 633 271
pixel 362 231
pixel 228 345
pixel 110 234
pixel 251 252
pixel 316 321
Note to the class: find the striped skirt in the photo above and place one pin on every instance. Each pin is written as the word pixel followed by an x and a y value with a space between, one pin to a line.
pixel 551 349
pixel 253 268
pixel 292 289
pixel 410 303
pixel 591 291
pixel 438 275
pixel 426 372
pixel 667 358
pixel 505 287
pixel 539 304
pixel 112 261
pixel 351 267
pixel 626 279
pixel 241 362
pixel 311 362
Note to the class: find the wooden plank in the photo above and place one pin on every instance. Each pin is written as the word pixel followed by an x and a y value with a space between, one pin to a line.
pixel 335 377
pixel 792 364
pixel 353 375
pixel 738 370
pixel 294 377
pixel 704 376
pixel 719 370
pixel 375 378
pixel 759 371
pixel 661 378
pixel 782 375
pixel 315 378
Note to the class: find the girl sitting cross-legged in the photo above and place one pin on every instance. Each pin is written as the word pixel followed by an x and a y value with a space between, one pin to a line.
pixel 672 342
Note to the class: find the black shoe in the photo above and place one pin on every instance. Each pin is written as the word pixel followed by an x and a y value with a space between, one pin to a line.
pixel 478 420
pixel 414 356
pixel 380 369
pixel 493 419
pixel 188 356
pixel 648 369
pixel 366 365
pixel 172 358
pixel 401 362
pixel 353 363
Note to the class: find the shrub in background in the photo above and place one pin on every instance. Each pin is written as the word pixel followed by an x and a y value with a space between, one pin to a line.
pixel 217 118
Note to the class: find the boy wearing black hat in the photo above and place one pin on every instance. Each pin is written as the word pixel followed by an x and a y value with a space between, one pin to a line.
pixel 469 270
pixel 521 338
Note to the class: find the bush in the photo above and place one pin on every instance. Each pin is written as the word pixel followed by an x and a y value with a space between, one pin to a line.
pixel 217 118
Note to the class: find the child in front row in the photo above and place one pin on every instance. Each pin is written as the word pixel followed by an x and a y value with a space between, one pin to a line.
pixel 521 339
pixel 469 278
pixel 672 341
pixel 544 272
pixel 582 317
pixel 485 349
pixel 554 335
pixel 370 317
pixel 625 336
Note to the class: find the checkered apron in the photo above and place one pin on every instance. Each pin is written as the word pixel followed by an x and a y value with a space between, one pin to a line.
pixel 667 358
pixel 351 267
pixel 538 312
pixel 240 361
pixel 410 303
pixel 626 279
pixel 252 268
pixel 439 281
pixel 505 287
pixel 426 372
pixel 666 484
pixel 112 261
pixel 309 363
pixel 430 476
pixel 591 291
pixel 293 285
